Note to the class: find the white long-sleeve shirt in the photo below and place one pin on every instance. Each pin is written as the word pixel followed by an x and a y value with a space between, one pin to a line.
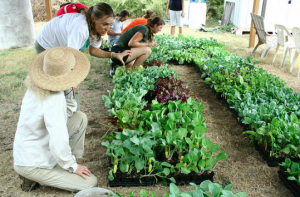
pixel 42 138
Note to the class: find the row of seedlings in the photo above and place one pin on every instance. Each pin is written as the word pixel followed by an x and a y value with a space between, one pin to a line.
pixel 161 131
pixel 205 189
pixel 259 101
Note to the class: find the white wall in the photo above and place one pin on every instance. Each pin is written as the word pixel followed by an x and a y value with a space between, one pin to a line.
pixel 197 15
pixel 17 25
pixel 240 16
pixel 277 12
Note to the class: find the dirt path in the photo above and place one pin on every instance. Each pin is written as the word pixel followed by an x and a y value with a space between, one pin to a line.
pixel 244 166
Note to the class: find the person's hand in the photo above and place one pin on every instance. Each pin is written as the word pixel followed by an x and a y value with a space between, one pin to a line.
pixel 81 170
pixel 182 14
pixel 153 44
pixel 120 56
pixel 167 13
pixel 75 89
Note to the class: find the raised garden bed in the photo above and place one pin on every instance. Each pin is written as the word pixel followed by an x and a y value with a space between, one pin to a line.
pixel 271 161
pixel 127 180
pixel 291 185
pixel 185 179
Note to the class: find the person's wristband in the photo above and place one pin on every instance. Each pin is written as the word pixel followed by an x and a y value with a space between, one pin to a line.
pixel 111 54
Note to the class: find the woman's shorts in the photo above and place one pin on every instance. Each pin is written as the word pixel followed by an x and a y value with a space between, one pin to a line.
pixel 118 49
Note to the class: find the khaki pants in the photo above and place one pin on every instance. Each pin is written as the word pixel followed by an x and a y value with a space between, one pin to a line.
pixel 58 177
pixel 38 50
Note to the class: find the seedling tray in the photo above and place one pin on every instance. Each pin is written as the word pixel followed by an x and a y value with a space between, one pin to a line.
pixel 271 161
pixel 291 185
pixel 199 70
pixel 129 182
pixel 185 179
pixel 218 95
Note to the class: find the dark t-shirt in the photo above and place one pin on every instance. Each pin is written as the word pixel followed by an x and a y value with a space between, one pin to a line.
pixel 175 5
pixel 127 35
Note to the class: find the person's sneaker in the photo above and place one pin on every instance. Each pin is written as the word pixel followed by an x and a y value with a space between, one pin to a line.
pixel 112 68
pixel 28 185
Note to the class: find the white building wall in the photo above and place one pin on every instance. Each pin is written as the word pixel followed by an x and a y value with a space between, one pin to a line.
pixel 277 12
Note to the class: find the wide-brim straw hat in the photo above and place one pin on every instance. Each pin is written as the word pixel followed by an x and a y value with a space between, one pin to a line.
pixel 59 68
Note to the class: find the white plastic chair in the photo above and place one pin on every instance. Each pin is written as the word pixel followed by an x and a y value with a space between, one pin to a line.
pixel 259 25
pixel 296 35
pixel 285 42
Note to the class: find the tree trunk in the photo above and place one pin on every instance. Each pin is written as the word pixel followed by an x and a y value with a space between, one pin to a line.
pixel 17 25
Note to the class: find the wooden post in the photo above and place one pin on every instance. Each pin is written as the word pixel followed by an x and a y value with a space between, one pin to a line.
pixel 252 30
pixel 48 9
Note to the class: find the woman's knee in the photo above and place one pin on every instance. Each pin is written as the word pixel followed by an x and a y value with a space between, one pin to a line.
pixel 148 50
pixel 82 118
pixel 92 181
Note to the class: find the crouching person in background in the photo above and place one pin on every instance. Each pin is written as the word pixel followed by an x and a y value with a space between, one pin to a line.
pixel 50 133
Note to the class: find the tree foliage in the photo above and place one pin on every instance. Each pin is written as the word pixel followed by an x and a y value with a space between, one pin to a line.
pixel 215 8
pixel 136 8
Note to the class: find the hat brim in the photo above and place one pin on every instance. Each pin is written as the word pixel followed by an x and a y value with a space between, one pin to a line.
pixel 59 83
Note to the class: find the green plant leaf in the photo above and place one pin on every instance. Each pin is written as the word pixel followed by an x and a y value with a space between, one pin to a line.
pixel 221 156
pixel 215 189
pixel 139 163
pixel 185 195
pixel 135 140
pixel 185 170
pixel 174 189
pixel 123 167
pixel 108 104
pixel 105 98
pixel 182 132
pixel 143 193
pixel 131 194
pixel 241 194
pixel 172 180
pixel 166 171
pixel 228 187
pixel 205 185
pixel 111 176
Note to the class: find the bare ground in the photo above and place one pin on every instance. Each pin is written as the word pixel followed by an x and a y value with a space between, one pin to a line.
pixel 244 165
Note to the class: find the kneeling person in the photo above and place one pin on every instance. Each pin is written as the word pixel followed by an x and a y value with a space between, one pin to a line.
pixel 50 133
pixel 138 39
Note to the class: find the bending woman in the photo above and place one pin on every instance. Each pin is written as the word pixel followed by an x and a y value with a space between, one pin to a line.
pixel 140 21
pixel 79 31
pixel 138 39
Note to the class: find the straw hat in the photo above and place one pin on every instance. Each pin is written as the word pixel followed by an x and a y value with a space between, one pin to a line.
pixel 59 68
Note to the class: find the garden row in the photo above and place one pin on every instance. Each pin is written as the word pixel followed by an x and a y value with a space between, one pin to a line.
pixel 259 101
pixel 161 131
pixel 205 189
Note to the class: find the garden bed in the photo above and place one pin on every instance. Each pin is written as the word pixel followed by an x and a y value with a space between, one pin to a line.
pixel 291 185
pixel 271 161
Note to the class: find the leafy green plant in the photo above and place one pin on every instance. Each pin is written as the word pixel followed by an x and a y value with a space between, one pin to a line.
pixel 293 169
pixel 279 137
pixel 205 189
